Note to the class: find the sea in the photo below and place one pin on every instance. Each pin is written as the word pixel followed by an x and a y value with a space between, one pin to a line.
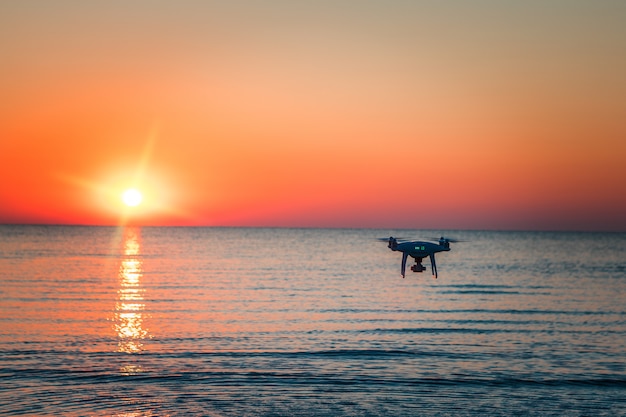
pixel 199 321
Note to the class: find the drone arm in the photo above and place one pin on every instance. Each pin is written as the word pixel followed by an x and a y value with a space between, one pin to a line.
pixel 403 266
pixel 433 265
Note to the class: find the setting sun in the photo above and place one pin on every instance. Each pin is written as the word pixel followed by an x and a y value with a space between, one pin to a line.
pixel 132 197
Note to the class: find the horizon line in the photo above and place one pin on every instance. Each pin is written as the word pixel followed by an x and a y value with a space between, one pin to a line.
pixel 311 227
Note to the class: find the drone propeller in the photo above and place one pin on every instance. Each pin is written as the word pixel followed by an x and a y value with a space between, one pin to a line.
pixel 398 239
pixel 447 239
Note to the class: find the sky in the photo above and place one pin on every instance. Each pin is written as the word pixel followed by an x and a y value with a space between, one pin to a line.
pixel 495 115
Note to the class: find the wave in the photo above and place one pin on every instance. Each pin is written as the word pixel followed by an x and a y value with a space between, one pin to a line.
pixel 500 292
pixel 471 311
pixel 287 374
pixel 469 330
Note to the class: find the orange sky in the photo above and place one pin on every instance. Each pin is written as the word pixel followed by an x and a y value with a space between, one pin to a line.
pixel 473 115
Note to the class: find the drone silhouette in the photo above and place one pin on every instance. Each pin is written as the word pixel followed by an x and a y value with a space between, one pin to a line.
pixel 418 250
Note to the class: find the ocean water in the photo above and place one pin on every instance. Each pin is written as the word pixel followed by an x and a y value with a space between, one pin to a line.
pixel 129 322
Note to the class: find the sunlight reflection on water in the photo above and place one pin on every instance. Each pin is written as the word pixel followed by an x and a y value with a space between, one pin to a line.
pixel 129 310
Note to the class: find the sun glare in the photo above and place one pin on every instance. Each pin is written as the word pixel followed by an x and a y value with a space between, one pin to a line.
pixel 132 197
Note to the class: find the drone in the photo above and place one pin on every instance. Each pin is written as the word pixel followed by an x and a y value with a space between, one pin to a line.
pixel 418 250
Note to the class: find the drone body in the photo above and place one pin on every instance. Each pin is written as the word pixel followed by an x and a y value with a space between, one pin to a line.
pixel 419 250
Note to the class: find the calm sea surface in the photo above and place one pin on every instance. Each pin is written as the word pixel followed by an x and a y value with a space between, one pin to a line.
pixel 98 321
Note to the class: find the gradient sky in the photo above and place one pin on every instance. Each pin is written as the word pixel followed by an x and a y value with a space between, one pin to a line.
pixel 393 114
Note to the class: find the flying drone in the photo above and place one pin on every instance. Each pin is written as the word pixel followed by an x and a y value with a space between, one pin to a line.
pixel 418 250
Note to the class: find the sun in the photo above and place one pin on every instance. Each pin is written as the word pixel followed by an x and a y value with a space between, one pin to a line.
pixel 132 197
